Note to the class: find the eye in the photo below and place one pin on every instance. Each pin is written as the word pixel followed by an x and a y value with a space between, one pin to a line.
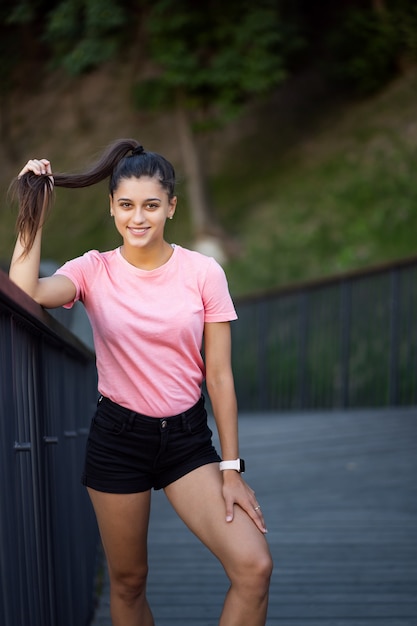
pixel 152 206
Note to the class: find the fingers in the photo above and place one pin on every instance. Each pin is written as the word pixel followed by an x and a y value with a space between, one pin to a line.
pixel 229 510
pixel 37 166
pixel 253 509
pixel 247 501
pixel 258 518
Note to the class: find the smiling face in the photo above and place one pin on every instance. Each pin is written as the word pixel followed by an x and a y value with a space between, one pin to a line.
pixel 140 207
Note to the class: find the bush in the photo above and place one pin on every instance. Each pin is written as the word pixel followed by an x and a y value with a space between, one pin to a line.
pixel 364 51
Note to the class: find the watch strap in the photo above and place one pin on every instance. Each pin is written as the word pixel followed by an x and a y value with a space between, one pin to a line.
pixel 237 464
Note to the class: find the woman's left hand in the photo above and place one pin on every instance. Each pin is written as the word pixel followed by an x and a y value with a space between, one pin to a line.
pixel 236 491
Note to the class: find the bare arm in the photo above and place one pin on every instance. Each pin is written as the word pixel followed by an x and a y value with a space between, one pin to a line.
pixel 220 387
pixel 24 268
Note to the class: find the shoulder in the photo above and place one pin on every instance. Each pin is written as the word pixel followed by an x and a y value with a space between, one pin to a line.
pixel 92 258
pixel 85 269
pixel 207 274
pixel 197 260
pixel 95 256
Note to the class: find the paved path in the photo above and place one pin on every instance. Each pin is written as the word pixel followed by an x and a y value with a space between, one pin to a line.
pixel 339 494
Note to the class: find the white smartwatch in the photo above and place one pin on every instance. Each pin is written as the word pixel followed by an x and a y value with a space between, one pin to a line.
pixel 238 465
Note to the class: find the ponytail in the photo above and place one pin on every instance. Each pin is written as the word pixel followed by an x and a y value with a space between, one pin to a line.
pixel 35 193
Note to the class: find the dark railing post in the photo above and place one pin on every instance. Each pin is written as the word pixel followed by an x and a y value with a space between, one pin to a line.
pixel 262 356
pixel 302 365
pixel 394 297
pixel 345 321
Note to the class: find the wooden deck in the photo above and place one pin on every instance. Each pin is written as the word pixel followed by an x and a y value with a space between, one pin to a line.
pixel 338 490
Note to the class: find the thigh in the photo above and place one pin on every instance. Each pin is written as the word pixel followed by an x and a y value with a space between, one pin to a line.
pixel 123 523
pixel 198 500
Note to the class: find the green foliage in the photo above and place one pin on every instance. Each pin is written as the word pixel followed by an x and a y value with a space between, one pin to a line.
pixel 81 34
pixel 84 33
pixel 405 15
pixel 9 53
pixel 20 29
pixel 22 13
pixel 343 212
pixel 367 47
pixel 214 53
pixel 364 51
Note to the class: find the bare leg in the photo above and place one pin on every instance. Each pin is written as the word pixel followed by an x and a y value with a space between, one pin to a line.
pixel 123 522
pixel 239 545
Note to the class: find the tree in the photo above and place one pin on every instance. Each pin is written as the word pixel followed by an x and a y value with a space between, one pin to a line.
pixel 80 34
pixel 209 59
pixel 85 33
pixel 20 46
pixel 370 43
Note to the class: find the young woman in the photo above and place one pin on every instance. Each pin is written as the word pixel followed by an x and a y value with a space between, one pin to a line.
pixel 152 305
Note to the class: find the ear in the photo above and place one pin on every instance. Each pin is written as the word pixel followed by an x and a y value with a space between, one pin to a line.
pixel 111 205
pixel 172 207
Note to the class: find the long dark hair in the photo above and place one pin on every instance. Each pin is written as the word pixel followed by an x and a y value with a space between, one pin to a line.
pixel 124 158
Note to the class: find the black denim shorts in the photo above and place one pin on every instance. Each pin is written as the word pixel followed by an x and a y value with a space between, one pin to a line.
pixel 128 452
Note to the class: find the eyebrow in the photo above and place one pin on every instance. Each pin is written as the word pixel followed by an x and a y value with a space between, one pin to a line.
pixel 147 200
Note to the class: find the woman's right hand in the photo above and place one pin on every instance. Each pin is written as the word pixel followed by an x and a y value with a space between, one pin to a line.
pixel 37 166
pixel 52 291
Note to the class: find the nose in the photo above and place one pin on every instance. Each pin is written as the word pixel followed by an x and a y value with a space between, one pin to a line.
pixel 138 215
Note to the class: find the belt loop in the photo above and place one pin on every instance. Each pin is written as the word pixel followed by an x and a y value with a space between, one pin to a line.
pixel 130 421
pixel 185 423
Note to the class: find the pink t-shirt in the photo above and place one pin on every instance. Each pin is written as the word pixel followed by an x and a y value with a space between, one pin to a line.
pixel 148 325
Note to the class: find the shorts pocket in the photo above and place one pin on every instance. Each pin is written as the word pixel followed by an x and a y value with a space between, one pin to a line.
pixel 107 423
pixel 197 424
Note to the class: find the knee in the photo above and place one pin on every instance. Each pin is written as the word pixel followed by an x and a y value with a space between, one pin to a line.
pixel 253 574
pixel 262 571
pixel 129 586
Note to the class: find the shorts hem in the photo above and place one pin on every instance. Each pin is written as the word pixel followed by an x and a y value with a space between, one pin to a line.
pixel 122 489
pixel 157 485
pixel 183 471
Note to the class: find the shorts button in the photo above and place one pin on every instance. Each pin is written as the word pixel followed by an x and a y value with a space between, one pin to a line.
pixel 164 424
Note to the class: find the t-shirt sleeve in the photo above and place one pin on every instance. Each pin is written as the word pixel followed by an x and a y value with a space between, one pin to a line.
pixel 81 272
pixel 218 304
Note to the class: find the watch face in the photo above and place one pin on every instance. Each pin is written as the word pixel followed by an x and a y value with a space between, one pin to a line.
pixel 242 466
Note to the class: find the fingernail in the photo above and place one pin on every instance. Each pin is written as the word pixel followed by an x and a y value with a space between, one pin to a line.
pixel 229 518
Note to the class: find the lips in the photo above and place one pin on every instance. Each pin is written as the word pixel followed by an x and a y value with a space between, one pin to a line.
pixel 138 231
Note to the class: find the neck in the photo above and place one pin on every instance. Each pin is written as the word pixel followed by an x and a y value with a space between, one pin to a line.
pixel 148 259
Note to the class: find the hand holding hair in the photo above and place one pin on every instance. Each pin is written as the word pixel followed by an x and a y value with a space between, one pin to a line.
pixel 34 185
pixel 37 166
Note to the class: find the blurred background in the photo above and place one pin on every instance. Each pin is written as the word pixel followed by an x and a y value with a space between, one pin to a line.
pixel 292 124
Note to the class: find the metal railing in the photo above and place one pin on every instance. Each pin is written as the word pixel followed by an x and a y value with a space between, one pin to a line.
pixel 48 533
pixel 347 341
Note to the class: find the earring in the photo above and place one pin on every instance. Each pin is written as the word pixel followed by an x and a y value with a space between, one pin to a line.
pixel 170 217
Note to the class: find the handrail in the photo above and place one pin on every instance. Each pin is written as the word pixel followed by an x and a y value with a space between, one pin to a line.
pixel 48 532
pixel 29 312
pixel 325 281
pixel 342 341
